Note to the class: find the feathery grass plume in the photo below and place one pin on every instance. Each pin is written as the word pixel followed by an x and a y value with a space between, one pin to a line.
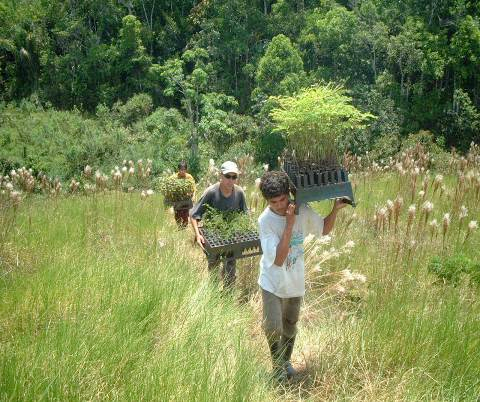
pixel 469 177
pixel 87 171
pixel 389 212
pixel 412 209
pixel 421 194
pixel 445 226
pixel 463 213
pixel 414 174
pixel 74 185
pixel 476 185
pixel 380 218
pixel 16 198
pixel 425 183
pixel 57 187
pixel 427 208
pixel 143 195
pixel 140 168
pixel 437 182
pixel 433 228
pixel 397 207
pixel 117 178
pixel 148 170
pixel 472 226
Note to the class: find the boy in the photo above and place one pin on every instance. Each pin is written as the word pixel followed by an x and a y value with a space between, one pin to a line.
pixel 282 268
pixel 181 214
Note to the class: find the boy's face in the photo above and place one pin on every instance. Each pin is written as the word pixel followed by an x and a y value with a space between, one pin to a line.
pixel 279 204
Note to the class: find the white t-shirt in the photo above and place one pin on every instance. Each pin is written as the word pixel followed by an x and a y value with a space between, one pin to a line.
pixel 289 279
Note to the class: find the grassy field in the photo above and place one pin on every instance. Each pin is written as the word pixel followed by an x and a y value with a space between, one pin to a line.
pixel 102 298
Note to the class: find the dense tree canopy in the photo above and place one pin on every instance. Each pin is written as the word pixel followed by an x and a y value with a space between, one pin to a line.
pixel 415 64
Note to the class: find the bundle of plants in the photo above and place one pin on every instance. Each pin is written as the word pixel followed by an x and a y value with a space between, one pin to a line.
pixel 232 226
pixel 175 189
pixel 313 121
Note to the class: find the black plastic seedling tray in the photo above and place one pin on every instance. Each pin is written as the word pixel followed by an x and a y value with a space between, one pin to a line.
pixel 240 245
pixel 317 184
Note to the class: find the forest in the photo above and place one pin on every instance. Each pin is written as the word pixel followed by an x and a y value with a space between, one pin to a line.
pixel 97 81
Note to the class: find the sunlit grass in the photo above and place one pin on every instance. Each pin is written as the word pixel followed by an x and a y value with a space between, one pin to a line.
pixel 101 297
pixel 113 308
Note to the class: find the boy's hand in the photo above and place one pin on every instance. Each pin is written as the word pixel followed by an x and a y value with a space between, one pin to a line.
pixel 340 203
pixel 290 215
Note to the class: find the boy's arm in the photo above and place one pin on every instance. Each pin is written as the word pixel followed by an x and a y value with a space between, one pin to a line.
pixel 284 244
pixel 329 220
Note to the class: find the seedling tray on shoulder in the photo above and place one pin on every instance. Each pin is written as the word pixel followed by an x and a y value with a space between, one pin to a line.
pixel 319 183
pixel 240 245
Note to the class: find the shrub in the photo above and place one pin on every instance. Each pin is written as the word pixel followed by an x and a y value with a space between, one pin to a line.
pixel 176 189
pixel 226 224
pixel 451 269
pixel 314 119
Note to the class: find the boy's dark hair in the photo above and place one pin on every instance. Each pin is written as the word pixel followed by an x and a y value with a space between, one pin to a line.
pixel 182 165
pixel 274 183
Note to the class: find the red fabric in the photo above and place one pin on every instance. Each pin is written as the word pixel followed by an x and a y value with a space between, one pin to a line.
pixel 181 217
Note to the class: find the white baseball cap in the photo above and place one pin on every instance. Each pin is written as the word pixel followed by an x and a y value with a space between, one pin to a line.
pixel 229 167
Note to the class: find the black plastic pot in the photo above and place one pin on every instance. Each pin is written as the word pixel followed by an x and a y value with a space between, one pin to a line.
pixel 318 183
pixel 240 245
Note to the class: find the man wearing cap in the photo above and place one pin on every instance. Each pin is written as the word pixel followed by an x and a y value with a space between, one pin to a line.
pixel 223 196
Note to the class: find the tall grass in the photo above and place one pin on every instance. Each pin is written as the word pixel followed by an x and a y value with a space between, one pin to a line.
pixel 112 308
pixel 102 298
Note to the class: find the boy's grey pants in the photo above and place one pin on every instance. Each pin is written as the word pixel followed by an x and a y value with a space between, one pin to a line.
pixel 280 315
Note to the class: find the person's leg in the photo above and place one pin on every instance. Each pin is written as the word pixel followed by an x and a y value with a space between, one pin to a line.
pixel 290 314
pixel 212 268
pixel 184 217
pixel 178 217
pixel 181 217
pixel 229 272
pixel 272 327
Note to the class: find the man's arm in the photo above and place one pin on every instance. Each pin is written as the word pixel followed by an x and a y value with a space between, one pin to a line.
pixel 329 220
pixel 198 237
pixel 197 213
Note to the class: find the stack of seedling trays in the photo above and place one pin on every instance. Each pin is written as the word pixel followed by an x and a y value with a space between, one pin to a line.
pixel 314 182
pixel 239 245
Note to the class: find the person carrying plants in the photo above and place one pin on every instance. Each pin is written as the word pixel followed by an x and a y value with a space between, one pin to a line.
pixel 282 267
pixel 223 196
pixel 182 213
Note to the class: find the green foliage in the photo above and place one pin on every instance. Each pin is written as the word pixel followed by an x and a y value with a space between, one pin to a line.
pixel 63 143
pixel 226 224
pixel 314 119
pixel 175 189
pixel 280 70
pixel 451 269
pixel 462 122
pixel 414 64
pixel 136 108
